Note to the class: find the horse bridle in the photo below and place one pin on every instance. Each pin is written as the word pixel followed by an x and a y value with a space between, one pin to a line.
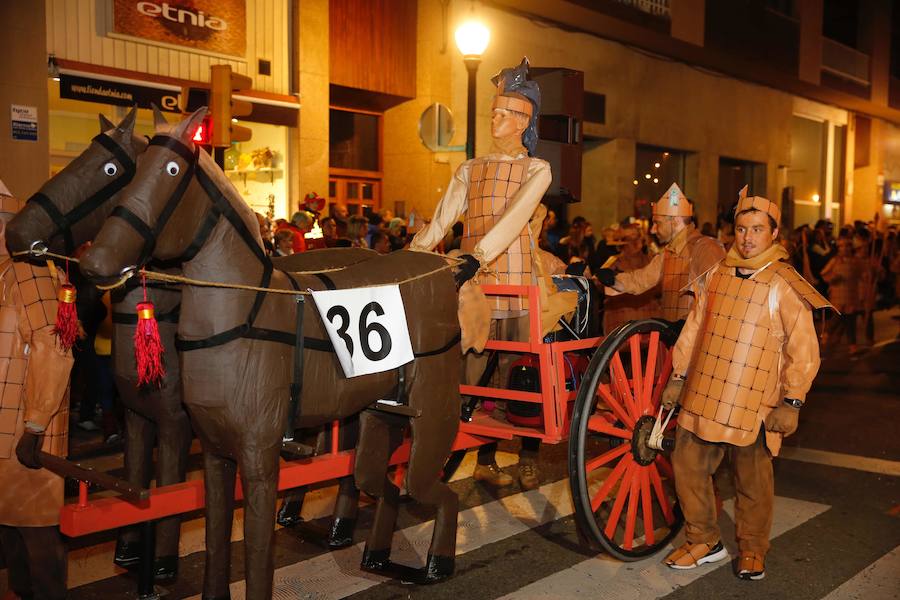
pixel 65 222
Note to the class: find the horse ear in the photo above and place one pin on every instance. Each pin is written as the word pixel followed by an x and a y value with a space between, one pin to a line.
pixel 159 121
pixel 105 124
pixel 187 128
pixel 127 124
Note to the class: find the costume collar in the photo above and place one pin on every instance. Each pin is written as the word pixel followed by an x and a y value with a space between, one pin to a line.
pixel 773 253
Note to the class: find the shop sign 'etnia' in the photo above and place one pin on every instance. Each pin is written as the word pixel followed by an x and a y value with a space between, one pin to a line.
pixel 181 15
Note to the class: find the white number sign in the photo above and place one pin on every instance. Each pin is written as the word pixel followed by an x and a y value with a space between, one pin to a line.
pixel 367 327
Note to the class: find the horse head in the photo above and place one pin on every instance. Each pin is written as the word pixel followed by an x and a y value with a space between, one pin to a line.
pixel 71 206
pixel 159 209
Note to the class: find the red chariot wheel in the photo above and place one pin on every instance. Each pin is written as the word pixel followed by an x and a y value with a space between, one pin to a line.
pixel 623 489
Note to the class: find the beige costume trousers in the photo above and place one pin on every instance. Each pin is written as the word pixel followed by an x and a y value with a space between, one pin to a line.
pixel 695 461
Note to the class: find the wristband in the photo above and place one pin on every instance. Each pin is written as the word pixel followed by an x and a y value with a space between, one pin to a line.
pixel 793 402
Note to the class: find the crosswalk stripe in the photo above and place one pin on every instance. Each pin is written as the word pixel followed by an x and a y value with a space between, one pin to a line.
pixel 837 459
pixel 878 581
pixel 602 577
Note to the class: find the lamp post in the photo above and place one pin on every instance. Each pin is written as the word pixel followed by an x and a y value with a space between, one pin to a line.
pixel 472 38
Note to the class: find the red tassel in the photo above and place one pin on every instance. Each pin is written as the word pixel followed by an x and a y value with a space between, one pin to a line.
pixel 148 348
pixel 66 327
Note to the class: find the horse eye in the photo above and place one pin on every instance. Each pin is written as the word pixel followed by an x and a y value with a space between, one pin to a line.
pixel 110 169
pixel 172 168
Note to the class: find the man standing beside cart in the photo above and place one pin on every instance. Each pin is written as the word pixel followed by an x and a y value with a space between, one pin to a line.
pixel 498 193
pixel 687 255
pixel 742 366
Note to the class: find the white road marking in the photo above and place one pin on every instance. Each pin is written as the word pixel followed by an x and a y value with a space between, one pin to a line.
pixel 878 581
pixel 846 461
pixel 603 577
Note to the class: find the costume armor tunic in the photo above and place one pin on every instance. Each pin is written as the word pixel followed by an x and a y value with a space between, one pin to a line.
pixel 34 376
pixel 683 260
pixel 750 343
pixel 498 194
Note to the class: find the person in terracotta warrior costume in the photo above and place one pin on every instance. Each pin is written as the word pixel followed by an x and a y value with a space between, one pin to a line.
pixel 33 416
pixel 741 368
pixel 496 195
pixel 687 255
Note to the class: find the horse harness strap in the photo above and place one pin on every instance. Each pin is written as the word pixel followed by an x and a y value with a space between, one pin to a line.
pixel 172 316
pixel 64 222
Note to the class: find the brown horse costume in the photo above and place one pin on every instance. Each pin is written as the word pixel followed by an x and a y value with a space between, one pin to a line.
pixel 238 348
pixel 65 213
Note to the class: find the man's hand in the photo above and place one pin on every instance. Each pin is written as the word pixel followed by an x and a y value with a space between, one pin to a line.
pixel 466 270
pixel 672 392
pixel 28 448
pixel 783 419
pixel 606 276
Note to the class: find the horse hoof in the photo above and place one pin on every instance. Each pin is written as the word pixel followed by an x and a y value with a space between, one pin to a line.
pixel 438 568
pixel 128 554
pixel 376 561
pixel 341 535
pixel 166 568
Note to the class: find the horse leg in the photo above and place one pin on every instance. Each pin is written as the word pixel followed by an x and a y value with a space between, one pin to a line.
pixel 219 477
pixel 139 434
pixel 432 435
pixel 259 480
pixel 346 507
pixel 174 448
pixel 380 435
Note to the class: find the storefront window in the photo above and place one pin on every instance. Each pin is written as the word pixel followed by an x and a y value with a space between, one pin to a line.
pixel 655 170
pixel 353 140
pixel 806 175
pixel 255 167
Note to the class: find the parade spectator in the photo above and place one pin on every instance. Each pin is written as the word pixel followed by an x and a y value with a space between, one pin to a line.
pixel 375 225
pixel 284 242
pixel 381 243
pixel 341 216
pixel 302 222
pixel 626 307
pixel 842 273
pixel 265 231
pixel 708 230
pixel 357 227
pixel 397 233
pixel 329 231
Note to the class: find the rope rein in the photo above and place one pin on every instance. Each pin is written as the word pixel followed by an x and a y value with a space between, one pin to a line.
pixel 180 279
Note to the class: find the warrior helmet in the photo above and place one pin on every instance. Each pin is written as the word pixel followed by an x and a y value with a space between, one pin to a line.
pixel 518 93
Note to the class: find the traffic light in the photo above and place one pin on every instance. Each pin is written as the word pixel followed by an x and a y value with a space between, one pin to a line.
pixel 202 135
pixel 223 108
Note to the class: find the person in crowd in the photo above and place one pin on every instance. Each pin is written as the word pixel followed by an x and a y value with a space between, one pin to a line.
pixel 375 225
pixel 497 194
pixel 397 233
pixel 302 223
pixel 708 230
pixel 763 308
pixel 867 252
pixel 341 216
pixel 35 410
pixel 284 242
pixel 821 248
pixel 622 308
pixel 357 227
pixel 265 231
pixel 329 231
pixel 579 244
pixel 550 234
pixel 686 256
pixel 843 273
pixel 381 243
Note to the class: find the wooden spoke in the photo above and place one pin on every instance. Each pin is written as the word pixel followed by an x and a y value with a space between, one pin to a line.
pixel 650 371
pixel 634 343
pixel 610 482
pixel 621 380
pixel 663 378
pixel 604 458
pixel 614 405
pixel 647 503
pixel 631 515
pixel 616 512
pixel 664 503
pixel 601 425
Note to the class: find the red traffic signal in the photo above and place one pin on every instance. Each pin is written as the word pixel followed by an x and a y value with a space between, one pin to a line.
pixel 203 133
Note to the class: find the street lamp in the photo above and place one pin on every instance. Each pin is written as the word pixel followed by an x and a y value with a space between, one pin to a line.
pixel 472 38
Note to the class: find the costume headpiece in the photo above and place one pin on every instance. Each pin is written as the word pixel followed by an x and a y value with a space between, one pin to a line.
pixel 759 203
pixel 518 93
pixel 673 204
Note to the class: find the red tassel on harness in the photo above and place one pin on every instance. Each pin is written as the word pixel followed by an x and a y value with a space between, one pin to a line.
pixel 148 348
pixel 66 327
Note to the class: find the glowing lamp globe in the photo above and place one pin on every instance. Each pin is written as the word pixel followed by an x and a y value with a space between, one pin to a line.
pixel 472 38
